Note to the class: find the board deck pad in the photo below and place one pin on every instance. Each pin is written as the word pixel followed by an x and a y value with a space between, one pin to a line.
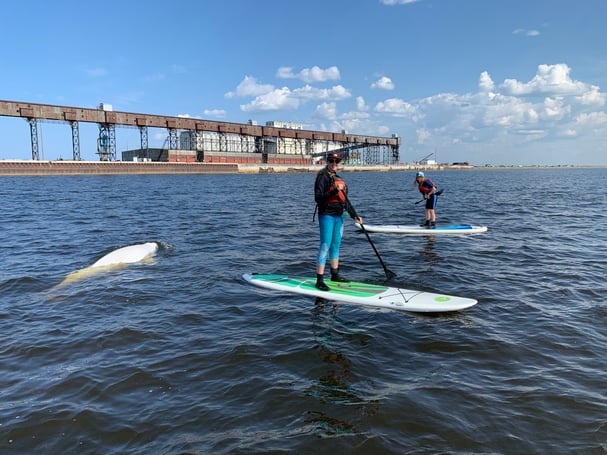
pixel 456 229
pixel 374 295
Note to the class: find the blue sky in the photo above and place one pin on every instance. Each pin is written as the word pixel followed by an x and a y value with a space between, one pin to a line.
pixel 517 82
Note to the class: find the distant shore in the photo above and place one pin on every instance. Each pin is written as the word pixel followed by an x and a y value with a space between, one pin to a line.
pixel 67 167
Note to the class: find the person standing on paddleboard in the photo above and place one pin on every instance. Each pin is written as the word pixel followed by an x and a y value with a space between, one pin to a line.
pixel 428 190
pixel 330 194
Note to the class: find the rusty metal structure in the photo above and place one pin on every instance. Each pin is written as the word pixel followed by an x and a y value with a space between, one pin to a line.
pixel 235 142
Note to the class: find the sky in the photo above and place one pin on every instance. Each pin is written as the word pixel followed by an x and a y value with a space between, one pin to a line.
pixel 517 82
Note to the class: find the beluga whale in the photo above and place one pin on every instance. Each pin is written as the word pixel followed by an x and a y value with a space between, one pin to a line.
pixel 117 259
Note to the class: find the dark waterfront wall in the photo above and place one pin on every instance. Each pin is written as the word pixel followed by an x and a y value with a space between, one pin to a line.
pixel 129 167
pixel 113 167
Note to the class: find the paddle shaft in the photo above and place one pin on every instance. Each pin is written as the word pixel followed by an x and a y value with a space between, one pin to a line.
pixel 390 275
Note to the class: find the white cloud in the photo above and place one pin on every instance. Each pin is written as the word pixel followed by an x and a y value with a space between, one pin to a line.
pixel 360 104
pixel 569 133
pixel 397 2
pixel 355 115
pixel 522 31
pixel 383 83
pixel 327 111
pixel 494 120
pixel 549 80
pixel 505 120
pixel 286 99
pixel 396 107
pixel 277 99
pixel 555 108
pixel 217 113
pixel 485 82
pixel 250 87
pixel 310 75
pixel 336 92
pixel 592 118
pixel 592 97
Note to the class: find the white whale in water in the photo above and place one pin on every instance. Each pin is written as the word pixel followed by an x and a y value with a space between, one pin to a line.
pixel 141 252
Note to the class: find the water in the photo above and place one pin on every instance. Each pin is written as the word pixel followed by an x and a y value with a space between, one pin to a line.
pixel 182 356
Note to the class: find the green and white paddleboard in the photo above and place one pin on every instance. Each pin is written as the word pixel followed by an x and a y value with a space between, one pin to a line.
pixel 373 295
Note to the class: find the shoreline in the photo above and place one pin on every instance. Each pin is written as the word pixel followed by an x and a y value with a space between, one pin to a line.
pixel 66 167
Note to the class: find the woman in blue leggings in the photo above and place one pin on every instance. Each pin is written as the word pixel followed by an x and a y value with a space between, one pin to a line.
pixel 330 194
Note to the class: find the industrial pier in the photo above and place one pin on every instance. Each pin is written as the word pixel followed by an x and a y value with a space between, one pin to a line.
pixel 209 146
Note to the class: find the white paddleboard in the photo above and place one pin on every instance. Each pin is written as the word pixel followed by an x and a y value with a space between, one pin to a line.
pixel 454 229
pixel 372 295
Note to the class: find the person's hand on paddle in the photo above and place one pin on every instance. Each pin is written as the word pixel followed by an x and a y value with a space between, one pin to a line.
pixel 359 219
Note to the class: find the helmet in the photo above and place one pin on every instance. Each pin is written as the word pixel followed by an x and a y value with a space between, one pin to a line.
pixel 419 174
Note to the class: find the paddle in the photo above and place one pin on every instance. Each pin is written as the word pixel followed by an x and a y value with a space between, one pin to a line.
pixel 438 193
pixel 390 275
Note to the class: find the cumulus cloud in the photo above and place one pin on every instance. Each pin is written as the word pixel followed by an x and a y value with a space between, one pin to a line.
pixel 549 80
pixel 593 97
pixel 250 87
pixel 592 118
pixel 550 106
pixel 277 99
pixel 310 75
pixel 396 107
pixel 383 83
pixel 485 82
pixel 336 92
pixel 286 99
pixel 361 105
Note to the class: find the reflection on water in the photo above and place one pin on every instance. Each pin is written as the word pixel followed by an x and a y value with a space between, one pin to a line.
pixel 428 253
pixel 329 425
pixel 335 385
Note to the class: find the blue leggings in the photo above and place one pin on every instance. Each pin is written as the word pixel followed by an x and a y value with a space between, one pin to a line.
pixel 331 232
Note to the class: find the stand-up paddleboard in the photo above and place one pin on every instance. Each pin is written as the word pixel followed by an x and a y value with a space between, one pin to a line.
pixel 421 230
pixel 364 294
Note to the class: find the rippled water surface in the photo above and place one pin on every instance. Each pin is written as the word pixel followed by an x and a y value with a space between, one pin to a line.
pixel 182 356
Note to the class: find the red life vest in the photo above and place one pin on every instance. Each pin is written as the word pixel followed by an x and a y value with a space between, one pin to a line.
pixel 340 196
pixel 426 186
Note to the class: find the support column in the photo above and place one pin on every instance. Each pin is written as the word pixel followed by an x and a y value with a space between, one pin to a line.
pixel 75 141
pixel 143 134
pixel 173 139
pixel 106 143
pixel 223 142
pixel 34 136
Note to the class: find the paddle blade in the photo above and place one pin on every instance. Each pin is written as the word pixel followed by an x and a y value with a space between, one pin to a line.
pixel 390 275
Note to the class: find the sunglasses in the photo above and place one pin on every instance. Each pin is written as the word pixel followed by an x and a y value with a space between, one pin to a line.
pixel 333 160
